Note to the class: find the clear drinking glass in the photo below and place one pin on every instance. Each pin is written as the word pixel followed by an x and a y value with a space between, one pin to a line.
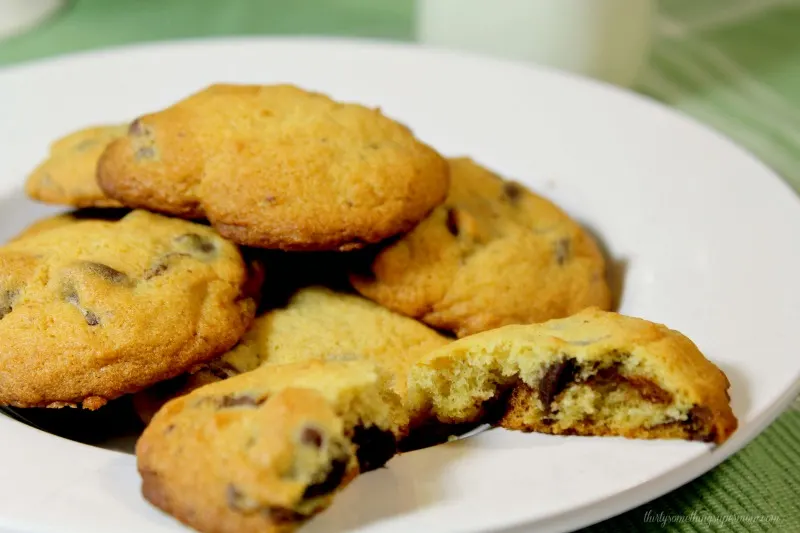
pixel 604 39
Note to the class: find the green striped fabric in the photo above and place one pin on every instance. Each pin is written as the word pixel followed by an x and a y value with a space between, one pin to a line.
pixel 733 64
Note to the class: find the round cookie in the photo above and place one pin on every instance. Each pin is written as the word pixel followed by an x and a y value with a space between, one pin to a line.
pixel 319 323
pixel 277 167
pixel 316 324
pixel 266 450
pixel 68 176
pixel 95 309
pixel 593 373
pixel 493 254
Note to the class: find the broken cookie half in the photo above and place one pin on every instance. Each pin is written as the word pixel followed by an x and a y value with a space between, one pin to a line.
pixel 266 450
pixel 594 373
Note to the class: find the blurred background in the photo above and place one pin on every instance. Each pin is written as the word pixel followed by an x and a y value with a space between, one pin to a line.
pixel 732 64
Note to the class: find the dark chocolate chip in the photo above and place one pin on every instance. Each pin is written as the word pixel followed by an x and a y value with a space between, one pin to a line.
pixel 162 264
pixel 512 191
pixel 562 251
pixel 155 270
pixel 196 242
pixel 495 408
pixel 136 128
pixel 70 295
pixel 107 273
pixel 331 481
pixel 312 436
pixel 7 298
pixel 375 447
pixel 556 378
pixel 452 221
pixel 239 401
pixel 699 424
pixel 145 152
pixel 91 318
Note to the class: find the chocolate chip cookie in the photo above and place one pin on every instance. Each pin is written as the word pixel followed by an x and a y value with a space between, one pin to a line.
pixel 266 450
pixel 319 323
pixel 94 309
pixel 594 373
pixel 68 176
pixel 493 254
pixel 316 324
pixel 277 167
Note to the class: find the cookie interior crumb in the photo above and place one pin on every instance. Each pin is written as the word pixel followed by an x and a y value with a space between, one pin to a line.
pixel 606 390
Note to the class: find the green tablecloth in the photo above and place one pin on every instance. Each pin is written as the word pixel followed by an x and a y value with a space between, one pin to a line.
pixel 733 64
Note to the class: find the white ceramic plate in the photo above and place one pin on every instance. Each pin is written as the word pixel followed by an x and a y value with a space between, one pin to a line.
pixel 710 239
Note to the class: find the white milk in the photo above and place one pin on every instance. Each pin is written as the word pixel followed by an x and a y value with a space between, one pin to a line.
pixel 604 39
pixel 18 16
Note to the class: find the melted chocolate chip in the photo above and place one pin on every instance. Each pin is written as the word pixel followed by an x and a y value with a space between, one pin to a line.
pixel 555 380
pixel 562 251
pixel 699 424
pixel 312 436
pixel 196 242
pixel 512 191
pixel 239 401
pixel 331 481
pixel 107 273
pixel 375 447
pixel 649 390
pixel 452 221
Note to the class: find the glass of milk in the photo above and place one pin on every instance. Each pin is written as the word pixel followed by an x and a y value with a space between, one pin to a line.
pixel 18 16
pixel 604 39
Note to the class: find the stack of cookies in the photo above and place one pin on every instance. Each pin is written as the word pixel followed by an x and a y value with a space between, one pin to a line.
pixel 293 289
